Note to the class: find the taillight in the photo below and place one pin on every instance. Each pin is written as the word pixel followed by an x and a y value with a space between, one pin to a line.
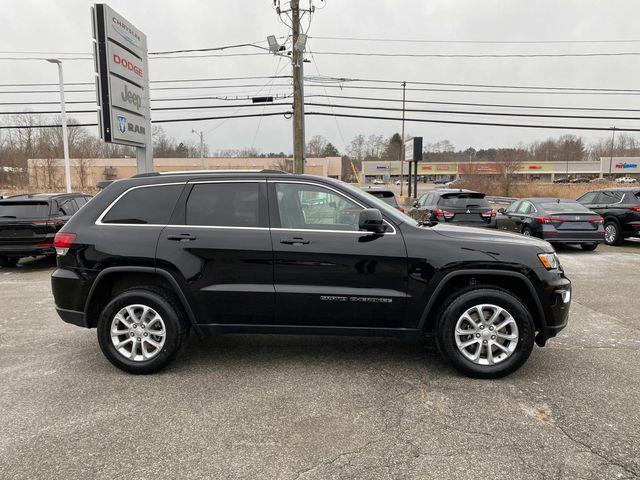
pixel 63 241
pixel 48 222
pixel 445 214
pixel 545 220
pixel 634 209
pixel 595 219
pixel 488 214
pixel 401 209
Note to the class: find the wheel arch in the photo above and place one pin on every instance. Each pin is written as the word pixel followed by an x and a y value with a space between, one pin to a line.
pixel 516 283
pixel 112 280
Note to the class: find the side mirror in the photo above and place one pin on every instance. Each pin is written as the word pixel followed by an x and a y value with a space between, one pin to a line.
pixel 501 210
pixel 416 205
pixel 371 221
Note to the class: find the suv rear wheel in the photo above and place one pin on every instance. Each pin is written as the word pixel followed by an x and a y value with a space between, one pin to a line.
pixel 485 332
pixel 612 233
pixel 142 330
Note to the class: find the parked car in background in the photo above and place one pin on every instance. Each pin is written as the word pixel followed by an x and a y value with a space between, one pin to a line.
pixel 553 219
pixel 377 181
pixel 626 180
pixel 386 195
pixel 28 223
pixel 453 183
pixel 620 208
pixel 600 180
pixel 157 255
pixel 580 180
pixel 460 206
pixel 440 182
pixel 562 180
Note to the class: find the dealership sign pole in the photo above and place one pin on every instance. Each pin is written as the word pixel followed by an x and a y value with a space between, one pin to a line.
pixel 121 66
pixel 413 153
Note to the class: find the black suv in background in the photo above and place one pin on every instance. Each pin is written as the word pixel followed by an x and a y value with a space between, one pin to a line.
pixel 464 207
pixel 620 208
pixel 28 223
pixel 156 255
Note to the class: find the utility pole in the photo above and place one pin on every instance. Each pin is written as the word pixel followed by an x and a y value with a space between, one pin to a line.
pixel 201 135
pixel 613 139
pixel 297 63
pixel 404 87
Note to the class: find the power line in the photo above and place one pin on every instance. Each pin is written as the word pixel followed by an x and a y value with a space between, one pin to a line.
pixel 481 85
pixel 168 120
pixel 490 124
pixel 486 42
pixel 480 55
pixel 535 92
pixel 471 112
pixel 211 49
pixel 469 104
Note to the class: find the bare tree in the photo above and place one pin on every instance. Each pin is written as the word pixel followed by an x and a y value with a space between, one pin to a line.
pixel 316 146
pixel 283 164
pixel 83 172
pixel 508 162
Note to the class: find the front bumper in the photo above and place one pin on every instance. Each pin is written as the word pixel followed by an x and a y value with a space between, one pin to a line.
pixel 556 304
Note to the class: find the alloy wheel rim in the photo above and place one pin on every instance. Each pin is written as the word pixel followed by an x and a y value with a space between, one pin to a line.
pixel 486 334
pixel 138 332
pixel 610 233
pixel 526 232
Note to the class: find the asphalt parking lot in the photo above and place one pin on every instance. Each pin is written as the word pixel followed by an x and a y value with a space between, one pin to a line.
pixel 258 407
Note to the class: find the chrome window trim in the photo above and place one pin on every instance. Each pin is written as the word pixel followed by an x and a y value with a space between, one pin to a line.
pixel 111 205
pixel 315 184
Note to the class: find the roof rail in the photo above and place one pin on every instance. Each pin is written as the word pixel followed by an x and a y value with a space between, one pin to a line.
pixel 198 172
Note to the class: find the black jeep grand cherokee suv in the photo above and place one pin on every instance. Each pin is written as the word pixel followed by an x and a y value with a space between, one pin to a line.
pixel 156 255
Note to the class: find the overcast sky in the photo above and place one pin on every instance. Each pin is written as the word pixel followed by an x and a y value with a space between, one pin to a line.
pixel 64 26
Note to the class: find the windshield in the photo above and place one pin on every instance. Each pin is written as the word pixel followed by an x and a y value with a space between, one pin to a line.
pixel 564 207
pixel 463 201
pixel 24 210
pixel 385 208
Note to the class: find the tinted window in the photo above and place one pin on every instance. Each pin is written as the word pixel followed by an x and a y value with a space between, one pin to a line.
pixel 512 207
pixel 463 201
pixel 67 206
pixel 631 197
pixel 387 197
pixel 231 204
pixel 588 197
pixel 145 205
pixel 558 207
pixel 524 208
pixel 609 197
pixel 426 200
pixel 303 206
pixel 24 210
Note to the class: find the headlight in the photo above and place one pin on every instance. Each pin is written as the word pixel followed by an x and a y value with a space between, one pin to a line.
pixel 549 260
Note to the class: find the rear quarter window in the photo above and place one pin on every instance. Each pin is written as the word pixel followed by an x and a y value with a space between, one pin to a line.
pixel 145 206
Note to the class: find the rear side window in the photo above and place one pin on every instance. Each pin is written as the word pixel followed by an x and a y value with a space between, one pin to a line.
pixel 462 201
pixel 231 204
pixel 24 210
pixel 631 197
pixel 145 206
pixel 67 207
pixel 387 197
pixel 609 197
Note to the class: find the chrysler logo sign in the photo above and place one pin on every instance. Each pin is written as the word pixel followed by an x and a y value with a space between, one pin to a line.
pixel 128 33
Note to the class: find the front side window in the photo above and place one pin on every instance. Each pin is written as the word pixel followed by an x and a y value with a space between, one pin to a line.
pixel 303 206
pixel 588 197
pixel 145 206
pixel 513 207
pixel 224 204
pixel 525 207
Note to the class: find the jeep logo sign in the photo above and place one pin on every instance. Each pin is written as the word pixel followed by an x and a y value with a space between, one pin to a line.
pixel 127 96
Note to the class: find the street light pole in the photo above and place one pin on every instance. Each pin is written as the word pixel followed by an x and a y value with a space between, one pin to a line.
pixel 65 136
pixel 404 88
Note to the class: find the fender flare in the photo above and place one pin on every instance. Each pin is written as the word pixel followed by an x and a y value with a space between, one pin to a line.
pixel 154 271
pixel 479 272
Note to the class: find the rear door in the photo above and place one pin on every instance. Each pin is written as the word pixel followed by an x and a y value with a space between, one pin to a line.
pixel 327 272
pixel 218 244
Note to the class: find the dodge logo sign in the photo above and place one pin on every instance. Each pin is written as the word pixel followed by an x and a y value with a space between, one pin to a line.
pixel 122 123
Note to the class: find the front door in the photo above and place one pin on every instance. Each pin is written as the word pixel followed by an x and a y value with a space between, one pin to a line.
pixel 218 244
pixel 327 273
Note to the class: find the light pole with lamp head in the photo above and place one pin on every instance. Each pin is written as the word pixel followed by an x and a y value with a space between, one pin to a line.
pixel 65 137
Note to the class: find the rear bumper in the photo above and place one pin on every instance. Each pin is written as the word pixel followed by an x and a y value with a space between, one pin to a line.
pixel 26 250
pixel 558 236
pixel 72 316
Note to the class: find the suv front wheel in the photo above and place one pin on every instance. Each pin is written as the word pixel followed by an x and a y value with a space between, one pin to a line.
pixel 485 332
pixel 142 330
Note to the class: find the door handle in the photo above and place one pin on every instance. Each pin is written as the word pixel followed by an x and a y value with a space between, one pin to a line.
pixel 294 241
pixel 183 237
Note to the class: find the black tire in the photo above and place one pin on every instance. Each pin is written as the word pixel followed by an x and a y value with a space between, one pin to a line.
pixel 589 247
pixel 617 239
pixel 175 322
pixel 527 231
pixel 8 261
pixel 457 304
